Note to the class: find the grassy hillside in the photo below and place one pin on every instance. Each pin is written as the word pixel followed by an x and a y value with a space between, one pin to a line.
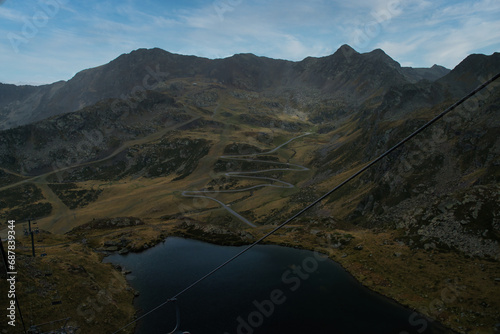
pixel 420 224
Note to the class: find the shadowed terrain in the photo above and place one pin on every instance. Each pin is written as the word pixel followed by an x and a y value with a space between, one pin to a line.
pixel 211 149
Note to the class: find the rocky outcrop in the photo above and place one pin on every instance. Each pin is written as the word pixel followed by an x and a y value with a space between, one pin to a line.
pixel 212 233
pixel 463 221
pixel 88 135
pixel 107 223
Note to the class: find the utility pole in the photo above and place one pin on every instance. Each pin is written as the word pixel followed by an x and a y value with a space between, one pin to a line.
pixel 32 238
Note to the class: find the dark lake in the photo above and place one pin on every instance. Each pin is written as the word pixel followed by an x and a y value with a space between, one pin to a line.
pixel 269 289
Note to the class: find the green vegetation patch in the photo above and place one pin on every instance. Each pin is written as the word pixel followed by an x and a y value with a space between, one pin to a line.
pixel 180 156
pixel 23 195
pixel 7 178
pixel 23 202
pixel 162 158
pixel 74 197
pixel 24 212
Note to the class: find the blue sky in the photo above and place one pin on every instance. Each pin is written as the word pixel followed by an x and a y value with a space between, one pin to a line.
pixel 43 41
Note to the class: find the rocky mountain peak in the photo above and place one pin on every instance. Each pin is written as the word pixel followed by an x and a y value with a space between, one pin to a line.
pixel 347 74
pixel 345 51
pixel 471 72
pixel 380 56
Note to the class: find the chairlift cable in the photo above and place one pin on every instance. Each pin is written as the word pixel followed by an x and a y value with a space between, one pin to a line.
pixel 343 183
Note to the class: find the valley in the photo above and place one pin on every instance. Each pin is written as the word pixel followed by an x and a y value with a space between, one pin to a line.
pixel 224 151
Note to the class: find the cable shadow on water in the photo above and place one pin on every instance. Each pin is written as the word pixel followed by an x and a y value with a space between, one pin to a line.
pixel 272 182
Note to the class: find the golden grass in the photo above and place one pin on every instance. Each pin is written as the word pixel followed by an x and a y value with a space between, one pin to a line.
pixel 417 278
pixel 70 281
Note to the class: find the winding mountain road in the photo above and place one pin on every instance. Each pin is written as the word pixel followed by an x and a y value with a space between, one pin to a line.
pixel 275 183
pixel 127 144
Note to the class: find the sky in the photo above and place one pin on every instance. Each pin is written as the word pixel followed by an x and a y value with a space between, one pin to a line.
pixel 44 41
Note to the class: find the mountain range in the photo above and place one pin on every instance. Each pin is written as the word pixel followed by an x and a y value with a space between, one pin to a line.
pixel 346 74
pixel 136 136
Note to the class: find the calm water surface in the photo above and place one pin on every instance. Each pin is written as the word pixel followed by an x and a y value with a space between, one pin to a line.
pixel 270 289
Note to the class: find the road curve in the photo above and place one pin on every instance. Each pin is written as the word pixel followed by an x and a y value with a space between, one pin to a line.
pixel 275 183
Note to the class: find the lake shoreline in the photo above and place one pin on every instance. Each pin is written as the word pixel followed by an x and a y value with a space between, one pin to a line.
pixel 232 239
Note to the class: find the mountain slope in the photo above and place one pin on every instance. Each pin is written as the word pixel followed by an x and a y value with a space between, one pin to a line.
pixel 130 74
pixel 425 217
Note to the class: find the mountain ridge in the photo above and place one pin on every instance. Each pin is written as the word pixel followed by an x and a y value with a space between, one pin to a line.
pixel 426 212
pixel 141 68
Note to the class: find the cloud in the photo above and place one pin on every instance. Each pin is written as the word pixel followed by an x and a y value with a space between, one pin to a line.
pixel 290 30
pixel 398 50
pixel 454 46
pixel 11 15
pixel 444 33
pixel 91 33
